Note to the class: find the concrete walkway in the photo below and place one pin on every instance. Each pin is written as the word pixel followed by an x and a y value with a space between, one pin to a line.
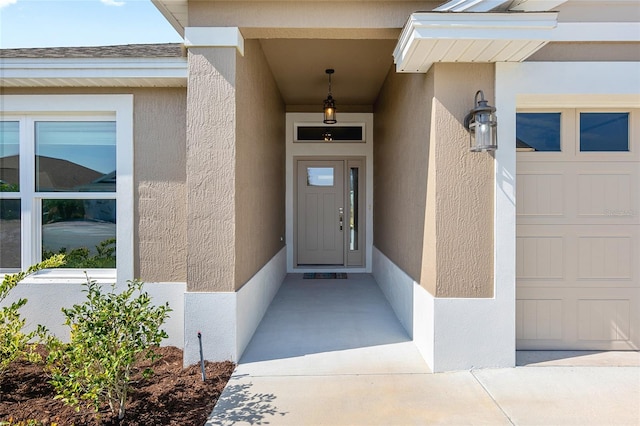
pixel 331 352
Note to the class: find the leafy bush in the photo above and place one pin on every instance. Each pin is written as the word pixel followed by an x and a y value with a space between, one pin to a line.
pixel 81 258
pixel 109 332
pixel 14 343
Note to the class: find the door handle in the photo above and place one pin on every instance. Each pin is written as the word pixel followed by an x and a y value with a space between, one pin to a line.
pixel 340 217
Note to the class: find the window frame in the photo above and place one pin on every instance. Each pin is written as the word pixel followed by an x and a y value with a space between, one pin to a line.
pixel 298 125
pixel 631 154
pixel 570 136
pixel 31 108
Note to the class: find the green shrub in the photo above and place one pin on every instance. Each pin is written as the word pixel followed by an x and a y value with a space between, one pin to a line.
pixel 81 257
pixel 14 343
pixel 109 333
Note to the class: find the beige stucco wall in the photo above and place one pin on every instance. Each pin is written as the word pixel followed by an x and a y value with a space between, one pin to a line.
pixel 235 167
pixel 464 195
pixel 587 52
pixel 211 123
pixel 433 214
pixel 598 11
pixel 260 165
pixel 159 177
pixel 310 19
pixel 160 182
pixel 401 154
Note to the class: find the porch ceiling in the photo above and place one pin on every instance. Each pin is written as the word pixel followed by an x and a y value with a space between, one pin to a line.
pixel 299 65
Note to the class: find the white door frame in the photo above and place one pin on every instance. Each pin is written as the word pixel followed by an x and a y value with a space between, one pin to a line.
pixel 329 149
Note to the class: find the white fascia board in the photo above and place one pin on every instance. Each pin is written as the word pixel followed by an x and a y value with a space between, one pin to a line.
pixel 94 68
pixel 469 25
pixel 176 12
pixel 470 5
pixel 489 5
pixel 425 32
pixel 473 26
pixel 535 5
pixel 214 37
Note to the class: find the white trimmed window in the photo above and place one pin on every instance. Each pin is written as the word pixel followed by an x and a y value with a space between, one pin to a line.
pixel 66 184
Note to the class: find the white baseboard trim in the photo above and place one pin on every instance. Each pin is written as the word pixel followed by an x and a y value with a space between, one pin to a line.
pixel 255 297
pixel 228 320
pixel 450 333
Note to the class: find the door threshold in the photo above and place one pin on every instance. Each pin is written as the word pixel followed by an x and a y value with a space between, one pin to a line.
pixel 309 269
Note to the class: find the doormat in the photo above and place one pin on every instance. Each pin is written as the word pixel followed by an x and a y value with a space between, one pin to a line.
pixel 324 276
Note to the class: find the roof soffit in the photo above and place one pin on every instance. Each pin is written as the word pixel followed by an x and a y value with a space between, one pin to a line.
pixel 471 37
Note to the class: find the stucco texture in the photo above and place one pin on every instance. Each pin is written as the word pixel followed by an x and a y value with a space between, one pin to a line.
pixel 433 214
pixel 307 19
pixel 401 154
pixel 260 165
pixel 464 194
pixel 235 167
pixel 211 121
pixel 159 177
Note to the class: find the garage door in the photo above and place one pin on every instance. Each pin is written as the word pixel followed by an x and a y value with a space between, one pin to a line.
pixel 578 229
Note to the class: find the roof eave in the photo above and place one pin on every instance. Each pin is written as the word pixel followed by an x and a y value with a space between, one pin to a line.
pixel 93 72
pixel 430 37
pixel 175 12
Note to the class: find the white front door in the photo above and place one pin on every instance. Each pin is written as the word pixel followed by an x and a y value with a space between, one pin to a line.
pixel 321 212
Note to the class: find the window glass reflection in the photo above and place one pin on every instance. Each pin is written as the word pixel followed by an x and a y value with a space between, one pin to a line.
pixel 10 234
pixel 353 208
pixel 604 131
pixel 77 156
pixel 9 156
pixel 83 229
pixel 319 176
pixel 538 131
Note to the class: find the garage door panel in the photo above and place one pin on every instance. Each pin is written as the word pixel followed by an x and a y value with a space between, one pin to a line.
pixel 605 195
pixel 583 318
pixel 578 193
pixel 539 319
pixel 604 257
pixel 541 257
pixel 578 254
pixel 540 194
pixel 604 320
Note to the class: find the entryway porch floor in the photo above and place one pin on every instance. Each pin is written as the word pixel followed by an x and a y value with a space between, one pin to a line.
pixel 326 327
pixel 332 352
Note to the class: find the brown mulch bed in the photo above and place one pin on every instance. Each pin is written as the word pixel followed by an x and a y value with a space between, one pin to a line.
pixel 172 396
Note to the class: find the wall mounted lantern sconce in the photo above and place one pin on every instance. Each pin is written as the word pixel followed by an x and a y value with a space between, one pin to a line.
pixel 482 125
pixel 329 104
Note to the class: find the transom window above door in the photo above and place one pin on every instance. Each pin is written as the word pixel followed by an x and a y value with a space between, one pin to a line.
pixel 310 133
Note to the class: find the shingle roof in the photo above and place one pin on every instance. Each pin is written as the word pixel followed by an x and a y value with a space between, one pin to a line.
pixel 167 50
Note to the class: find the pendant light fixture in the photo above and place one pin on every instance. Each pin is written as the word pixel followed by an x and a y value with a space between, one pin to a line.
pixel 329 104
